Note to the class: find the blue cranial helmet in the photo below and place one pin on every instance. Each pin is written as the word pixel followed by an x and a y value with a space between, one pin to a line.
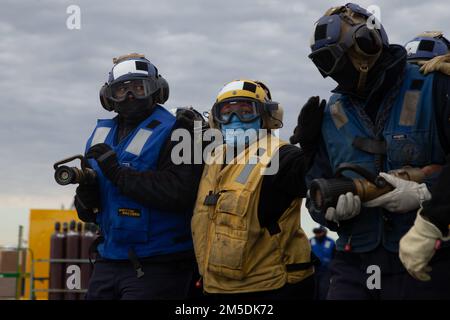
pixel 427 45
pixel 133 74
pixel 351 32
pixel 344 28
pixel 327 29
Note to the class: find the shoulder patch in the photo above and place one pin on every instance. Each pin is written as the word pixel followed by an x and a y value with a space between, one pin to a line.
pixel 338 114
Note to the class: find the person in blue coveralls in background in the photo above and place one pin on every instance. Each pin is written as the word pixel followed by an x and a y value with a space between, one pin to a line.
pixel 324 248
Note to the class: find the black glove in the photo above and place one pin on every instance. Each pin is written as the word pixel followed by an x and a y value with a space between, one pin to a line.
pixel 106 159
pixel 309 124
pixel 88 196
pixel 187 116
pixel 437 210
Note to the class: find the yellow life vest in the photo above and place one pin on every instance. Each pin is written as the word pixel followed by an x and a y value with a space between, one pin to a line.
pixel 234 253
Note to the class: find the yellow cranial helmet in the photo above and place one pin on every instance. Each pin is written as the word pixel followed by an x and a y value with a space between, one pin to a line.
pixel 242 89
pixel 248 100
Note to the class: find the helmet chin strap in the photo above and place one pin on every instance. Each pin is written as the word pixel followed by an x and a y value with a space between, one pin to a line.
pixel 363 71
pixel 362 63
pixel 361 60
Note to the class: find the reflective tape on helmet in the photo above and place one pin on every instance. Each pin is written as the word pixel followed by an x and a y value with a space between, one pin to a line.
pixel 411 47
pixel 238 85
pixel 100 135
pixel 138 142
pixel 131 66
pixel 235 85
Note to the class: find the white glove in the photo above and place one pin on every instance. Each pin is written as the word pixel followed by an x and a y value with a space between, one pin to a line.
pixel 407 195
pixel 417 247
pixel 347 207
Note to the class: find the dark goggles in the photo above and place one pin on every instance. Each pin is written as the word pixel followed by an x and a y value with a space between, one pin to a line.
pixel 246 110
pixel 365 41
pixel 327 59
pixel 139 88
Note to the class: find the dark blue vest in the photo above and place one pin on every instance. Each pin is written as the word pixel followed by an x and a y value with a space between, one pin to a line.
pixel 125 223
pixel 409 128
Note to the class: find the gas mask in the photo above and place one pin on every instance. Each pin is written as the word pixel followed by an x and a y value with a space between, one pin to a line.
pixel 342 38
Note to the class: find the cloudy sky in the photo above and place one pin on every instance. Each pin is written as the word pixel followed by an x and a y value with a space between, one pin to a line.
pixel 50 75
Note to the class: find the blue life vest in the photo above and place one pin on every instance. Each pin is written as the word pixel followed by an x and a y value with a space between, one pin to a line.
pixel 126 224
pixel 323 250
pixel 409 130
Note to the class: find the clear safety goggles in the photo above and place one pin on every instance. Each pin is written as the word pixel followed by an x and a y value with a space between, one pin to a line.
pixel 246 110
pixel 139 88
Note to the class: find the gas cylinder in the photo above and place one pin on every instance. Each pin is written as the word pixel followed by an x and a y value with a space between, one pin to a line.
pixel 72 252
pixel 87 238
pixel 65 228
pixel 79 228
pixel 56 275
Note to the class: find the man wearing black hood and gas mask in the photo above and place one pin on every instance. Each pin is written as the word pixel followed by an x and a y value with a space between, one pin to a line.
pixel 383 115
pixel 141 200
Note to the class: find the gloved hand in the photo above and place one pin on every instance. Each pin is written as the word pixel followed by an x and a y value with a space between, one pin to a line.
pixel 407 195
pixel 188 116
pixel 347 207
pixel 88 196
pixel 309 124
pixel 439 63
pixel 418 246
pixel 437 210
pixel 106 159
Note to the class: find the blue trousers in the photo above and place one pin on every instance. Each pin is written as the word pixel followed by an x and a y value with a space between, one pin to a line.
pixel 349 277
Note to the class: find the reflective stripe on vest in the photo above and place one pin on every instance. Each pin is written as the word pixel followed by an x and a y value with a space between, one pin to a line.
pixel 409 108
pixel 248 168
pixel 100 135
pixel 138 142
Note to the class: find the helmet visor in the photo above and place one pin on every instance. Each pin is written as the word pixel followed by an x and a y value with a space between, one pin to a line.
pixel 139 88
pixel 245 109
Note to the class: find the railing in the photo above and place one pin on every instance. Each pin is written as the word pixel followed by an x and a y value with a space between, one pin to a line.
pixel 21 276
pixel 32 278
